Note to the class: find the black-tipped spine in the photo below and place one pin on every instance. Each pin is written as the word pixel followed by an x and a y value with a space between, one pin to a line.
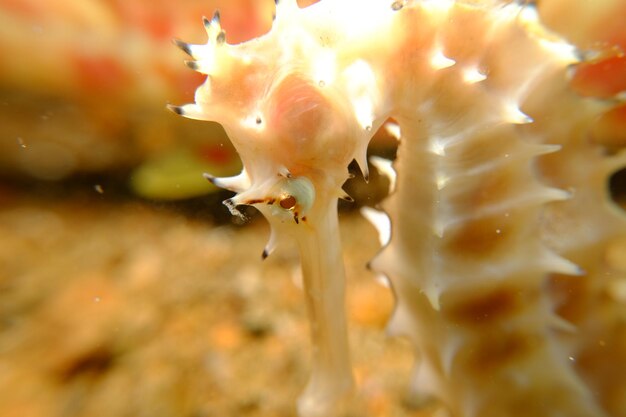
pixel 216 18
pixel 210 178
pixel 175 109
pixel 192 64
pixel 183 46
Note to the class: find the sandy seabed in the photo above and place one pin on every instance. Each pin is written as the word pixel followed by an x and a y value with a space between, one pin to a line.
pixel 113 307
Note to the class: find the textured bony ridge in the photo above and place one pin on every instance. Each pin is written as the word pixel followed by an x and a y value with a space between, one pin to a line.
pixel 467 255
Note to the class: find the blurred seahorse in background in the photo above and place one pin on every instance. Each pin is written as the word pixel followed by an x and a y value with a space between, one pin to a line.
pixel 498 209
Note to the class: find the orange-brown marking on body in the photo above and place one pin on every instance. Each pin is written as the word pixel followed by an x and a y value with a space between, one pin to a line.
pixel 493 187
pixel 604 78
pixel 610 128
pixel 570 295
pixel 489 306
pixel 480 237
pixel 256 201
pixel 499 349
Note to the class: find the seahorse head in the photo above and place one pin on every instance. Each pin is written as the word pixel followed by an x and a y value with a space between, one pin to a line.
pixel 296 113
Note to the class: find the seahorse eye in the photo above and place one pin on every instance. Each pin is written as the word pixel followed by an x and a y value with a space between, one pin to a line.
pixel 294 198
pixel 288 202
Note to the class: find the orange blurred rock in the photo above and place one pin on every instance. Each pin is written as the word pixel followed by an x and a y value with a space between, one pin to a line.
pixel 370 304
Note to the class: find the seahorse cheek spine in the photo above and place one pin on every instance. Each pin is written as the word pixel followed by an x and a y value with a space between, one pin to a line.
pixel 468 253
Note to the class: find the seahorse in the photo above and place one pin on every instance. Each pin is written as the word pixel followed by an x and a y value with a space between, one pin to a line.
pixel 494 190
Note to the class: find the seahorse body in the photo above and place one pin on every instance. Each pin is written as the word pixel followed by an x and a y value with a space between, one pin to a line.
pixel 485 207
